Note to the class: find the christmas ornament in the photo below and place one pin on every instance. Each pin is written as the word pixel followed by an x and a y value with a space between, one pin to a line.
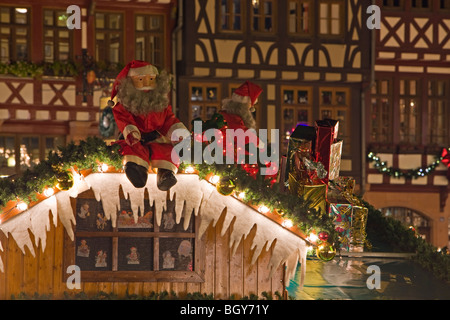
pixel 65 181
pixel 323 236
pixel 225 186
pixel 326 252
pixel 107 123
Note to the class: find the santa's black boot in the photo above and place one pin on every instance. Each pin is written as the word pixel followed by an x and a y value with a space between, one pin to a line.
pixel 165 179
pixel 136 174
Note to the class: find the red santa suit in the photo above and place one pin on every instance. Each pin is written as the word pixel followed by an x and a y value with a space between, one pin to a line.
pixel 136 127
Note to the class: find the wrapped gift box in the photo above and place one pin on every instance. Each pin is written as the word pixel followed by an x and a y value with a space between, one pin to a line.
pixel 343 216
pixel 335 160
pixel 359 223
pixel 326 135
pixel 301 143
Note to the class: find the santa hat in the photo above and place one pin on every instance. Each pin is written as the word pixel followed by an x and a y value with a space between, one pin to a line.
pixel 133 68
pixel 247 93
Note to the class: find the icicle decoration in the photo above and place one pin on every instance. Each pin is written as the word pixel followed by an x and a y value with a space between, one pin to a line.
pixel 191 196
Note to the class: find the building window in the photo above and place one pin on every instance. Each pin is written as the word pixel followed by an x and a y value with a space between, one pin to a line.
pixel 57 37
pixel 109 37
pixel 132 249
pixel 299 17
pixel 150 39
pixel 335 104
pixel 438 112
pixel 381 112
pixel 410 218
pixel 20 152
pixel 331 18
pixel 444 4
pixel 263 15
pixel 231 15
pixel 297 110
pixel 409 112
pixel 420 4
pixel 204 100
pixel 14 34
pixel 393 4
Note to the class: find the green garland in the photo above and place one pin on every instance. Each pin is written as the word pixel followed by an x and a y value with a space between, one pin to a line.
pixel 258 190
pixel 84 156
pixel 262 191
pixel 382 167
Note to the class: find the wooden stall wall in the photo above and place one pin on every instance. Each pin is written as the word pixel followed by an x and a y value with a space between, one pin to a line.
pixel 226 275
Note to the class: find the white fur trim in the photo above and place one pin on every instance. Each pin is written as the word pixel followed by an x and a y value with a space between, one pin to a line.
pixel 164 164
pixel 141 71
pixel 137 160
pixel 242 99
pixel 129 129
pixel 176 126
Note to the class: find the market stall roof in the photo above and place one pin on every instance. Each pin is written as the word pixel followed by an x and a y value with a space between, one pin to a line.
pixel 192 195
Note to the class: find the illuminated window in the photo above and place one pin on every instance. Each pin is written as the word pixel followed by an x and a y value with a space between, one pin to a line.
pixel 410 218
pixel 381 112
pixel 204 100
pixel 438 112
pixel 150 39
pixel 331 18
pixel 299 17
pixel 57 37
pixel 263 15
pixel 410 119
pixel 14 34
pixel 335 104
pixel 231 15
pixel 296 110
pixel 109 37
pixel 20 152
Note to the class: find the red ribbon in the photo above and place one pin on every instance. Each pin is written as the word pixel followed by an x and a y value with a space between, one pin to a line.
pixel 446 160
pixel 446 157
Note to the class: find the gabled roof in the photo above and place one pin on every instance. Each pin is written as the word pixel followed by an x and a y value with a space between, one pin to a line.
pixel 192 196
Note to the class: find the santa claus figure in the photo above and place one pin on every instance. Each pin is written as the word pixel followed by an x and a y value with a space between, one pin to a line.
pixel 237 113
pixel 237 110
pixel 146 120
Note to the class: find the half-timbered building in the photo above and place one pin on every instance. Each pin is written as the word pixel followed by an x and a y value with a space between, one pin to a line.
pixel 408 119
pixel 55 80
pixel 312 59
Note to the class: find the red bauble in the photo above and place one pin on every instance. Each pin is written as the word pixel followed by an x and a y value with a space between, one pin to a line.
pixel 323 236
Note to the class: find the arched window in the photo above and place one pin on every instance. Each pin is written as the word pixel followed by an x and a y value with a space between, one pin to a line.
pixel 410 218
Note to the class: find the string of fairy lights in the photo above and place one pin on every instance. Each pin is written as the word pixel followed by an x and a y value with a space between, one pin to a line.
pixel 419 172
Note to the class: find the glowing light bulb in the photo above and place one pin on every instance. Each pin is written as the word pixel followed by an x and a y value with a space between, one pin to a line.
pixel 48 192
pixel 263 209
pixel 103 167
pixel 22 206
pixel 214 179
pixel 241 195
pixel 313 237
pixel 189 169
pixel 287 223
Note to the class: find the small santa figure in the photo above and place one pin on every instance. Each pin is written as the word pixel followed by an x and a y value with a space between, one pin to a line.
pixel 146 120
pixel 237 110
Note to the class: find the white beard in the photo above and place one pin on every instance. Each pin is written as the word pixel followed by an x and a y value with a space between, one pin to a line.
pixel 240 109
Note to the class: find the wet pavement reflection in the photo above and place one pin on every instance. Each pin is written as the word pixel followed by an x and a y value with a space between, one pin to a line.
pixel 345 278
